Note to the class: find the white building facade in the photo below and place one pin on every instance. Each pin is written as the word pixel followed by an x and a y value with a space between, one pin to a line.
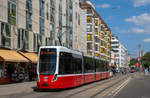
pixel 120 55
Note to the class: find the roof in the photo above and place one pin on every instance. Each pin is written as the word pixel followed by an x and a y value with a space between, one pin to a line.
pixel 31 56
pixel 12 56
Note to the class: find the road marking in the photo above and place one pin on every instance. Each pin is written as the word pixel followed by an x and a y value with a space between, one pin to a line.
pixel 118 89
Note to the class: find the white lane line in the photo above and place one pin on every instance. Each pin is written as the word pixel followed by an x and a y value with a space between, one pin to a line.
pixel 120 87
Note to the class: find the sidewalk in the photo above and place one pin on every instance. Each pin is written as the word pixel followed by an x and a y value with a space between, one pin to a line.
pixel 16 88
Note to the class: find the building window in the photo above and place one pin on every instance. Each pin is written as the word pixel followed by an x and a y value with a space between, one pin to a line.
pixel 29 5
pixel 52 11
pixel 89 46
pixel 96 47
pixel 96 31
pixel 47 14
pixel 35 46
pixel 89 19
pixel 12 13
pixel 52 33
pixel 42 30
pixel 42 8
pixel 89 10
pixel 79 19
pixel 96 39
pixel 96 22
pixel 89 53
pixel 89 27
pixel 96 54
pixel 48 41
pixel 89 37
pixel 6 34
pixel 23 39
pixel 29 15
pixel 28 20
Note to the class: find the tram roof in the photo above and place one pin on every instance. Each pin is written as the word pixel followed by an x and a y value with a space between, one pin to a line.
pixel 63 49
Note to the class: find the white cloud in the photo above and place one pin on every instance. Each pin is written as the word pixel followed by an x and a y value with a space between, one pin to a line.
pixel 138 30
pixel 103 6
pixel 138 3
pixel 142 19
pixel 146 40
pixel 141 23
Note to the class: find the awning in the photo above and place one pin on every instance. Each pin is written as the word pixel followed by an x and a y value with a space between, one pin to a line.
pixel 12 56
pixel 31 56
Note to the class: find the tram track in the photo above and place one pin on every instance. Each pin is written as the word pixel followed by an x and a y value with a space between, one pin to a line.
pixel 99 84
pixel 84 91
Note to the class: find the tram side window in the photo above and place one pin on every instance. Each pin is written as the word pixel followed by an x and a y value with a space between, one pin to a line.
pixel 65 63
pixel 100 65
pixel 88 65
pixel 77 63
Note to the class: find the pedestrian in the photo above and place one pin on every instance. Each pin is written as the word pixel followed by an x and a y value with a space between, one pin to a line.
pixel 15 76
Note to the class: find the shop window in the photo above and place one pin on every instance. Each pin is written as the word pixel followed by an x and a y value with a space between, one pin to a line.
pixel 89 37
pixel 12 12
pixel 6 34
pixel 0 69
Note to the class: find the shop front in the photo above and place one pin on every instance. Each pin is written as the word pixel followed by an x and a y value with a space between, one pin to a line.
pixel 33 59
pixel 11 62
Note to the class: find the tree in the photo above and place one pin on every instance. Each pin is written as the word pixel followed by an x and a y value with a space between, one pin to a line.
pixel 146 59
pixel 133 61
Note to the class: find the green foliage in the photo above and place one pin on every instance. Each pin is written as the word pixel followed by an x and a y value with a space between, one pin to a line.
pixel 133 62
pixel 146 59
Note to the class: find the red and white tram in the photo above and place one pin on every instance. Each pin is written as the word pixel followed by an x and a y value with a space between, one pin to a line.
pixel 60 67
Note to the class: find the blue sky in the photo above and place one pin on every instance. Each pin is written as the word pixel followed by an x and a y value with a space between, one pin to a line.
pixel 129 20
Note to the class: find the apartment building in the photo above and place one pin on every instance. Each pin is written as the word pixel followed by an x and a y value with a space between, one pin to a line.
pixel 120 54
pixel 25 25
pixel 95 33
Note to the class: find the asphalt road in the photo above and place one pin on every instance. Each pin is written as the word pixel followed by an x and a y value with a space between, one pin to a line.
pixel 135 85
pixel 138 87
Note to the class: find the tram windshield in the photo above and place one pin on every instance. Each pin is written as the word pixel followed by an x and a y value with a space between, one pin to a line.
pixel 47 61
